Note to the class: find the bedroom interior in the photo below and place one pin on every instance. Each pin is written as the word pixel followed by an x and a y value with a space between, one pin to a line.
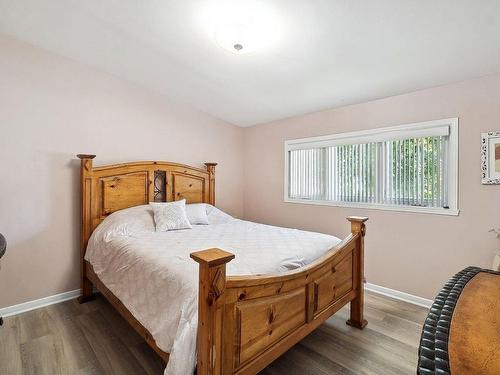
pixel 243 187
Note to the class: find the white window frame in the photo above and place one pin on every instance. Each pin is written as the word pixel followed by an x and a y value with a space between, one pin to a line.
pixel 363 136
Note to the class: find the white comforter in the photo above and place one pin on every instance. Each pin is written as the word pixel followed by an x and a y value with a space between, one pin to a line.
pixel 153 275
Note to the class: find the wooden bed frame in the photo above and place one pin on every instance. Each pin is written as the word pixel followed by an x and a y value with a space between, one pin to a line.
pixel 244 322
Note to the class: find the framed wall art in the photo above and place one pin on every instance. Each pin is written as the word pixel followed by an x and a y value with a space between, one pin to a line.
pixel 490 158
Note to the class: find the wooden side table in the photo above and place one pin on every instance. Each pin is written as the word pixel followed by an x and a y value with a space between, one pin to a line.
pixel 461 335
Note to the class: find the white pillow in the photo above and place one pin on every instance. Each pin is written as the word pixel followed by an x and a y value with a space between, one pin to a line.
pixel 216 216
pixel 170 215
pixel 197 213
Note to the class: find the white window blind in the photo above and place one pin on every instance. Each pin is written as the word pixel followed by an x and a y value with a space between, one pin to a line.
pixel 412 166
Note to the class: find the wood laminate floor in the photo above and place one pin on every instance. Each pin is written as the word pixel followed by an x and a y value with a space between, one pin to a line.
pixel 69 338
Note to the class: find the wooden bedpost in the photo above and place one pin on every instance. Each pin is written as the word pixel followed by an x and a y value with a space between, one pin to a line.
pixel 211 172
pixel 358 228
pixel 85 191
pixel 211 298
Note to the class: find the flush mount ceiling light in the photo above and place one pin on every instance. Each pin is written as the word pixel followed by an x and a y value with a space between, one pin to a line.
pixel 243 27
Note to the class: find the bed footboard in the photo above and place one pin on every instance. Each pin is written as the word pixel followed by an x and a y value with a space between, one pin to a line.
pixel 246 322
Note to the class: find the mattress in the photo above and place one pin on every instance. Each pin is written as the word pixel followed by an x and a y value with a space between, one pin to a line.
pixel 154 277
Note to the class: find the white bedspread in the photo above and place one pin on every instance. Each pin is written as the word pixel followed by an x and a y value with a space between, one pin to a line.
pixel 154 277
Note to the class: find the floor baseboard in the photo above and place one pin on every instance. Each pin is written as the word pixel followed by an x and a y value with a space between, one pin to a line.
pixel 42 302
pixel 38 303
pixel 401 296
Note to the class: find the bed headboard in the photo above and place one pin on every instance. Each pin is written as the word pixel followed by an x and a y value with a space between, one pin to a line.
pixel 110 188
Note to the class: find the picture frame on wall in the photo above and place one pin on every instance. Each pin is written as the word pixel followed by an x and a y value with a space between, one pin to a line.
pixel 490 158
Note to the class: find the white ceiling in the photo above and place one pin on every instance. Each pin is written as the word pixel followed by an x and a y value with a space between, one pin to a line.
pixel 325 53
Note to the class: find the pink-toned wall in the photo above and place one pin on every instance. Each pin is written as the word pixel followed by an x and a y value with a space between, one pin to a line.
pixel 52 108
pixel 409 252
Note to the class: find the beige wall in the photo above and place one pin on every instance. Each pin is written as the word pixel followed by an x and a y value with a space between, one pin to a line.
pixel 52 108
pixel 410 252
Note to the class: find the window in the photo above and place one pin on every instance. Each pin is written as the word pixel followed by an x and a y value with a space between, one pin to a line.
pixel 409 168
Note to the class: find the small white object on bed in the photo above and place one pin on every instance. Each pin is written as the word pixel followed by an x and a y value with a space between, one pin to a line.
pixel 197 213
pixel 152 274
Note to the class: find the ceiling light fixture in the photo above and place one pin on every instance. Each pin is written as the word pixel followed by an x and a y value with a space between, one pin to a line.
pixel 243 27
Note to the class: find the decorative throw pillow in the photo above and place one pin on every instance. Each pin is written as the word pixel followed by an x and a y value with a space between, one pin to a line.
pixel 197 213
pixel 170 215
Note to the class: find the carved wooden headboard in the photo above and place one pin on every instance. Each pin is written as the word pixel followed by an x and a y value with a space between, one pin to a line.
pixel 110 188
